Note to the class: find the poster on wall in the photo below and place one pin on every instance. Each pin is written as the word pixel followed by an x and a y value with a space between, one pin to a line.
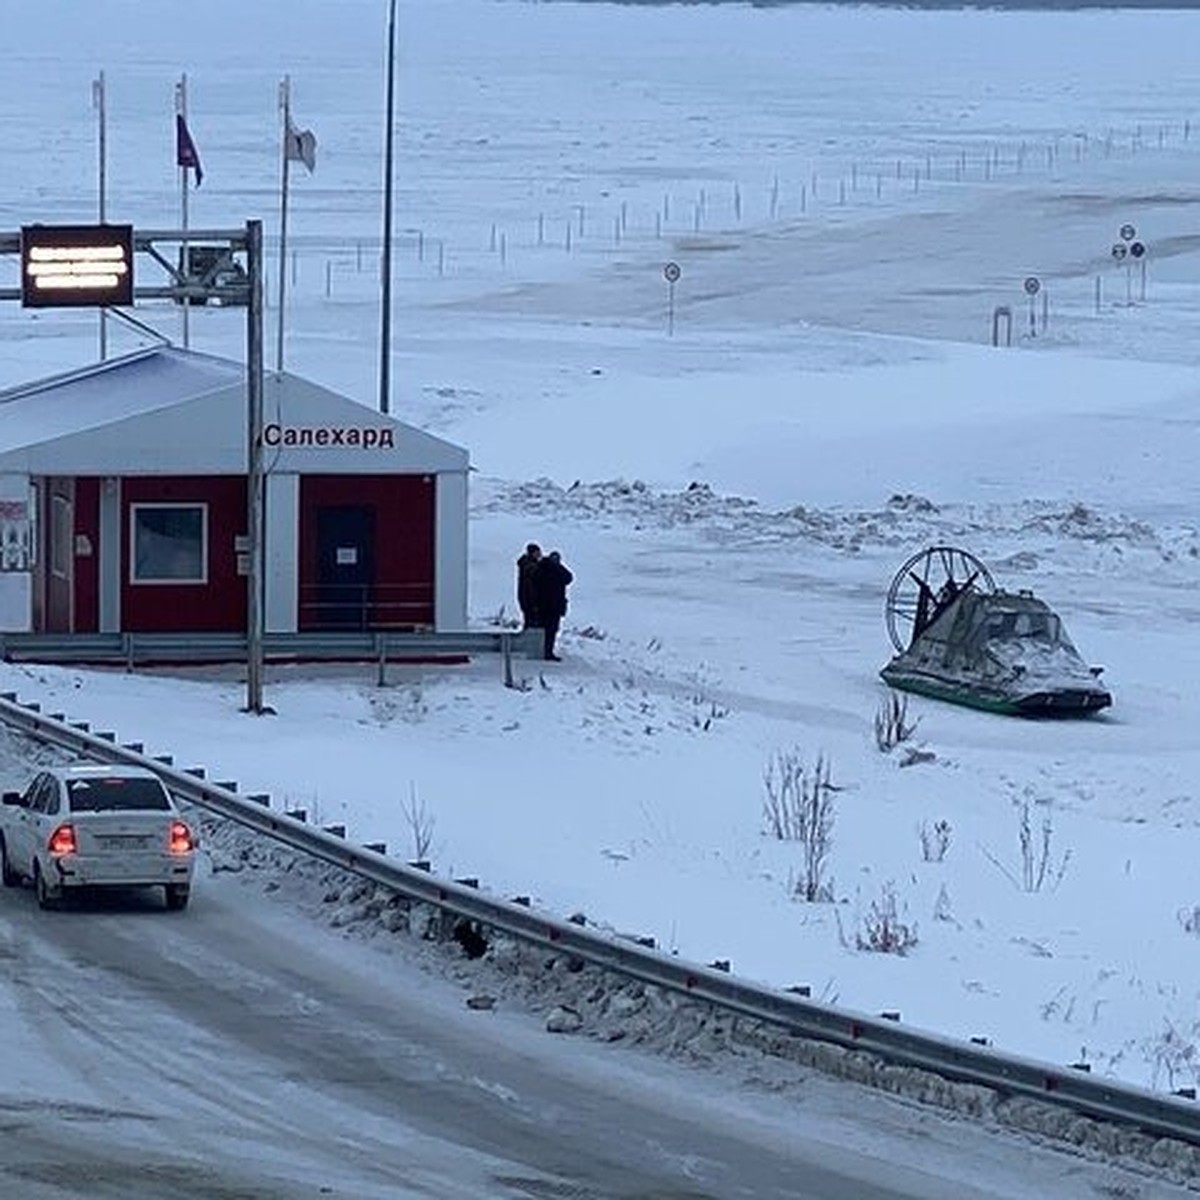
pixel 16 539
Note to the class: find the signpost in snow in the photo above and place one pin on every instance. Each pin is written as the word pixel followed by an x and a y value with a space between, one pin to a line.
pixel 671 273
pixel 1033 285
pixel 1127 233
pixel 1137 250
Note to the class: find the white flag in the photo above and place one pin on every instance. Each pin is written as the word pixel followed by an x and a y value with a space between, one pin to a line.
pixel 301 146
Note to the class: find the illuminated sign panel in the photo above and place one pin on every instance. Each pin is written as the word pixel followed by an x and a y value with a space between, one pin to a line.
pixel 76 266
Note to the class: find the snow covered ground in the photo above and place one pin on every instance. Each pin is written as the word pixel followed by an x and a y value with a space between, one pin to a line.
pixel 850 194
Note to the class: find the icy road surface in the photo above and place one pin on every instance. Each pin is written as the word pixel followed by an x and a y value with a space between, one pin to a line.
pixel 244 1050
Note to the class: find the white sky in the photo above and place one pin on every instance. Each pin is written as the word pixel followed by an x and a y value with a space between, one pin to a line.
pixel 829 352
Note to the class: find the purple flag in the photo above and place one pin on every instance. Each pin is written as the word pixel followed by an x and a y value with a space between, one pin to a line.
pixel 186 154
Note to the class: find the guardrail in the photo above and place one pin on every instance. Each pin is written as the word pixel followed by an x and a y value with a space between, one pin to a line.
pixel 1159 1115
pixel 147 649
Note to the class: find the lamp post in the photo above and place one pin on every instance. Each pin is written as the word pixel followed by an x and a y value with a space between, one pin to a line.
pixel 385 319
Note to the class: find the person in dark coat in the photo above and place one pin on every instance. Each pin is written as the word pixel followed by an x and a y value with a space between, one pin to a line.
pixel 527 566
pixel 550 582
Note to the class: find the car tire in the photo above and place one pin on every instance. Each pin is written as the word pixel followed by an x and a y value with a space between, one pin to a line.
pixel 11 877
pixel 47 898
pixel 178 895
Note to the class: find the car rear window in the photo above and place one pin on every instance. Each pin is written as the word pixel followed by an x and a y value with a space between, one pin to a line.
pixel 107 795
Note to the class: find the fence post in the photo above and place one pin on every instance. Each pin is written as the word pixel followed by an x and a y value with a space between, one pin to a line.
pixel 381 676
pixel 506 656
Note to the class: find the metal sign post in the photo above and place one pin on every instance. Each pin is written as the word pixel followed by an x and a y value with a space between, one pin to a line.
pixel 1127 233
pixel 254 471
pixel 1138 251
pixel 671 274
pixel 1033 285
pixel 1119 251
pixel 93 266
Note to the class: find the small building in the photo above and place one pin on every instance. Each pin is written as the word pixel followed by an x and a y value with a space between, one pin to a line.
pixel 123 505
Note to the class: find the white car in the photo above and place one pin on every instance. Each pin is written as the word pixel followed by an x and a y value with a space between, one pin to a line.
pixel 89 825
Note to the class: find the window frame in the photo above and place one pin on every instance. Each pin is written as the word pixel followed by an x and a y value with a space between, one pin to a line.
pixel 139 506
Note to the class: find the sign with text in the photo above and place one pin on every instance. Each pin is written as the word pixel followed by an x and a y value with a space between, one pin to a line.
pixel 76 266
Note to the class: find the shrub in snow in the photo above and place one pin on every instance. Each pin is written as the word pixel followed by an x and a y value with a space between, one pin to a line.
pixel 420 825
pixel 1037 865
pixel 799 808
pixel 1189 918
pixel 880 929
pixel 892 725
pixel 935 840
pixel 1174 1055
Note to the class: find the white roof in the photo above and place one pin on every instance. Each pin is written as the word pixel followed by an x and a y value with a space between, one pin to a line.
pixel 167 410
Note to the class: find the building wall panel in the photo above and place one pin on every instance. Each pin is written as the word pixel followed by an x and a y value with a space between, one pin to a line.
pixel 217 606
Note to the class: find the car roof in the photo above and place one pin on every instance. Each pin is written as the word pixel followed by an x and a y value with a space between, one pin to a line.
pixel 89 770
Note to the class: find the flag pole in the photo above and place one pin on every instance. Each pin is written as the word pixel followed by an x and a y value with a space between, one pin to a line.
pixel 285 106
pixel 385 335
pixel 98 102
pixel 181 111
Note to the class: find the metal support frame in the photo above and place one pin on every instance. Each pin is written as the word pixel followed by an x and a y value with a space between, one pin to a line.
pixel 231 288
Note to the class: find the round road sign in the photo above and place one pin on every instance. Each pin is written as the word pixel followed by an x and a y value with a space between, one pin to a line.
pixel 1128 233
pixel 1033 285
pixel 1137 249
pixel 671 272
pixel 1119 250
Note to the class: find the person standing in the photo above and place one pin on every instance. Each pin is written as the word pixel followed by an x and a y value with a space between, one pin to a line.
pixel 527 566
pixel 551 580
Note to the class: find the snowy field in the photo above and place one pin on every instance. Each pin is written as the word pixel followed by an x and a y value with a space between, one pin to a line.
pixel 850 194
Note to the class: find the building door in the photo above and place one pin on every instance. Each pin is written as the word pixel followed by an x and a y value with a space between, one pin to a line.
pixel 59 558
pixel 345 566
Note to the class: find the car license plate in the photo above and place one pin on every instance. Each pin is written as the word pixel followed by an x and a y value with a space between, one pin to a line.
pixel 124 841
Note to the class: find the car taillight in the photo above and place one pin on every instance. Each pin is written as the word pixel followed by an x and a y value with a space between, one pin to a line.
pixel 181 841
pixel 62 841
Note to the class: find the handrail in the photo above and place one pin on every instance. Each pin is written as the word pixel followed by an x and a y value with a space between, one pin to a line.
pixel 387 645
pixel 1160 1115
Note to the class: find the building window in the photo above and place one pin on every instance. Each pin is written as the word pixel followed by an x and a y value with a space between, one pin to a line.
pixel 169 543
pixel 62 536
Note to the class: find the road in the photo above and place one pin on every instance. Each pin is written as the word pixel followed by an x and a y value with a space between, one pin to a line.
pixel 242 1050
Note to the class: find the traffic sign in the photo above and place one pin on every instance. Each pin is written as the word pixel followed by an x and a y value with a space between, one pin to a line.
pixel 1033 285
pixel 1128 233
pixel 1119 250
pixel 76 266
pixel 1137 249
pixel 671 272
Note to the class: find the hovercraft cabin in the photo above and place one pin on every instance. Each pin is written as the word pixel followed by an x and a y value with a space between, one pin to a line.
pixel 123 506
